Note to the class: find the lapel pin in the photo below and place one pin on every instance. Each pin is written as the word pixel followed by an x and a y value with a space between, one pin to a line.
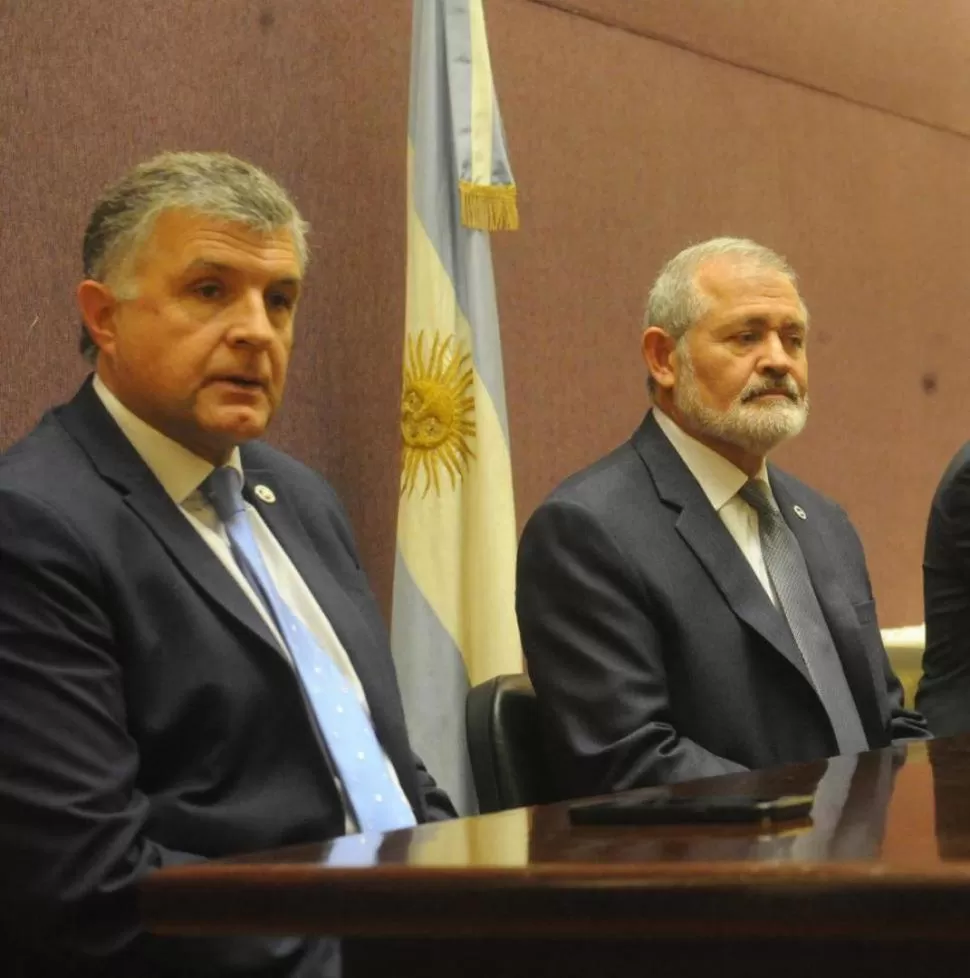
pixel 799 512
pixel 268 496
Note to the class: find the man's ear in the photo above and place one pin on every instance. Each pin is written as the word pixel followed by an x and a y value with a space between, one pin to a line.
pixel 658 350
pixel 98 306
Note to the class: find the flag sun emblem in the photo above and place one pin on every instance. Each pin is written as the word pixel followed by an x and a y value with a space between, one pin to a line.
pixel 437 412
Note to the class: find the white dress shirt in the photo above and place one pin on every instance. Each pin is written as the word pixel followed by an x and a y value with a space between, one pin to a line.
pixel 180 473
pixel 721 480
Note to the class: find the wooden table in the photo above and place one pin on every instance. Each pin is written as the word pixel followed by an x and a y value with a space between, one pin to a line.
pixel 879 879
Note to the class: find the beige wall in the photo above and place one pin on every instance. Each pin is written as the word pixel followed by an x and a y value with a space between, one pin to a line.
pixel 836 132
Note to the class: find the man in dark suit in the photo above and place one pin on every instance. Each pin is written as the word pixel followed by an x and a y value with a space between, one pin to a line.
pixel 184 622
pixel 944 688
pixel 685 609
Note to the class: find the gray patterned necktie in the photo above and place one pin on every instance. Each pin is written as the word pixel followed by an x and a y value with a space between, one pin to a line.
pixel 796 598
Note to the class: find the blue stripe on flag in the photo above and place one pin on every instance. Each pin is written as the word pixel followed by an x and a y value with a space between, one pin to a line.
pixel 433 678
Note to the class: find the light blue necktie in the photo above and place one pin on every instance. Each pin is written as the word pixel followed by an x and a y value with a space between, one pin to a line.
pixel 378 804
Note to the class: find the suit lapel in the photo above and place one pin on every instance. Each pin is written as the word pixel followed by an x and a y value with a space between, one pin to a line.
pixel 88 422
pixel 814 535
pixel 702 530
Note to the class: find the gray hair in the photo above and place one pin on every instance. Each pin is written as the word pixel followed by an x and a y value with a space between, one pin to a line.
pixel 675 303
pixel 213 184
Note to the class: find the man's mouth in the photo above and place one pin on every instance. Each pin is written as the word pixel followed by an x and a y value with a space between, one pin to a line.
pixel 240 380
pixel 771 392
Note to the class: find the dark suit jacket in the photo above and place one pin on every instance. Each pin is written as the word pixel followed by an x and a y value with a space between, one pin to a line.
pixel 656 654
pixel 147 717
pixel 944 690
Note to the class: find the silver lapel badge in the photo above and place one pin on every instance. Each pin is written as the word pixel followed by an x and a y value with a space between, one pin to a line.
pixel 799 512
pixel 268 496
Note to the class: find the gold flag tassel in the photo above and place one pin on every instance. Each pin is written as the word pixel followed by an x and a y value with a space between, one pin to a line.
pixel 489 207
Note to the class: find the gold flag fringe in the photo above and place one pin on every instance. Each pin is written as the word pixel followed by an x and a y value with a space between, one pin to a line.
pixel 487 207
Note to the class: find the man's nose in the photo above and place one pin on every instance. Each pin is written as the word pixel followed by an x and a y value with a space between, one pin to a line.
pixel 250 321
pixel 775 358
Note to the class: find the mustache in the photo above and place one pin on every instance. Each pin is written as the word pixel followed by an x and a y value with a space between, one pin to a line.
pixel 783 385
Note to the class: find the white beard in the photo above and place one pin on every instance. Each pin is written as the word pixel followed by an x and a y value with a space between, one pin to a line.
pixel 752 426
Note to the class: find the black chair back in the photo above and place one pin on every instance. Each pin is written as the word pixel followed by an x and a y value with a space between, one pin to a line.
pixel 505 746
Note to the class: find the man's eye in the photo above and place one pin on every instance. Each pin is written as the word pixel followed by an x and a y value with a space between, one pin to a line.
pixel 279 300
pixel 748 336
pixel 208 290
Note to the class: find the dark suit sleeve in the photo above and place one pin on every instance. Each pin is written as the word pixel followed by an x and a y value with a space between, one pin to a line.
pixel 437 804
pixel 74 838
pixel 904 724
pixel 594 649
pixel 944 692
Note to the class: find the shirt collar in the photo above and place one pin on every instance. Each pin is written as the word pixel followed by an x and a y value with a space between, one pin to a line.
pixel 178 470
pixel 719 478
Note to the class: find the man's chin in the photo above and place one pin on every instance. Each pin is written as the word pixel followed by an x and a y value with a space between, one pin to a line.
pixel 759 443
pixel 760 432
pixel 237 425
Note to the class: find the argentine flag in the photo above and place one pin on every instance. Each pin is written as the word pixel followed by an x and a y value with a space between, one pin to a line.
pixel 453 619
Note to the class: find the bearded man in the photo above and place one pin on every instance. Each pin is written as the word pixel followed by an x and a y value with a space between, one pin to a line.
pixel 686 609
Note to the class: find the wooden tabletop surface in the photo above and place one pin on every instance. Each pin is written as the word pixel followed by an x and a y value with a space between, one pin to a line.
pixel 886 854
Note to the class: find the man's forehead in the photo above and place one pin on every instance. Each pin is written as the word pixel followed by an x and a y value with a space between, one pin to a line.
pixel 214 265
pixel 729 285
pixel 726 276
pixel 190 239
